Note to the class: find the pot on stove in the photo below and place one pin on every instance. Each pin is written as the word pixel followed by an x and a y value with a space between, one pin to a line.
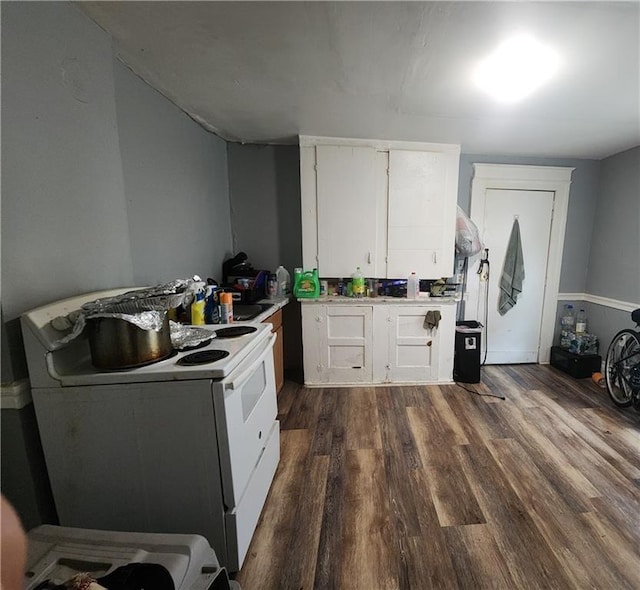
pixel 116 343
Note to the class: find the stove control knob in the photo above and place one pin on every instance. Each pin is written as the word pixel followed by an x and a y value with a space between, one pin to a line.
pixel 73 316
pixel 61 323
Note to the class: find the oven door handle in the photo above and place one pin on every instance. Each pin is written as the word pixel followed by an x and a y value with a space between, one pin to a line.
pixel 239 381
pixel 48 358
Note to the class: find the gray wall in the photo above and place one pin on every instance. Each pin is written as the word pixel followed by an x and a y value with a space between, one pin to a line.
pixel 175 184
pixel 614 262
pixel 264 187
pixel 583 197
pixel 64 219
pixel 602 244
pixel 105 182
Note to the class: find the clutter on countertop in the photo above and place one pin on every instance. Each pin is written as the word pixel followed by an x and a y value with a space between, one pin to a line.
pixel 307 284
pixel 246 283
pixel 413 286
pixel 283 279
pixel 357 283
pixel 144 308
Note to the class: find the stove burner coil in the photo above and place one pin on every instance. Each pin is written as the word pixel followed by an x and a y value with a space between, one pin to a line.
pixel 202 357
pixel 235 331
pixel 195 346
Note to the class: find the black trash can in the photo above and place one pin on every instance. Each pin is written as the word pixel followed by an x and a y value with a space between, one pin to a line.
pixel 466 359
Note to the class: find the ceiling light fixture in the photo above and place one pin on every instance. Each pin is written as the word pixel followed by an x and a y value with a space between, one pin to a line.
pixel 516 68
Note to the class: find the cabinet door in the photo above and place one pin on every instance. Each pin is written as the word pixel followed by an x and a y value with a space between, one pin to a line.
pixel 411 348
pixel 348 196
pixel 346 344
pixel 337 343
pixel 313 318
pixel 422 200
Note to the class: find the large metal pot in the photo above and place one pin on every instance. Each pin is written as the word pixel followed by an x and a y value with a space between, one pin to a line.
pixel 116 343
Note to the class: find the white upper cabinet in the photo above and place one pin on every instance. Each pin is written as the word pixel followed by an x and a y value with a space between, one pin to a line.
pixel 421 226
pixel 385 206
pixel 349 228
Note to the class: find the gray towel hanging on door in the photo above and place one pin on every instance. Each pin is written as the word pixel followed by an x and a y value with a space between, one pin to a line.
pixel 432 320
pixel 512 275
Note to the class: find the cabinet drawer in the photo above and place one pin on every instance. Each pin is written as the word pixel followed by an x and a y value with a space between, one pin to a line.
pixel 241 522
pixel 244 418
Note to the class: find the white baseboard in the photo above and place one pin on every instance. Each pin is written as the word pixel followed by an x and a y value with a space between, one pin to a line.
pixel 598 300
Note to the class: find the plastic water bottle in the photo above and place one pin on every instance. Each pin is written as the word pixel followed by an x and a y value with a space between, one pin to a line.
pixel 413 286
pixel 581 322
pixel 567 326
pixel 284 281
pixel 568 319
pixel 272 286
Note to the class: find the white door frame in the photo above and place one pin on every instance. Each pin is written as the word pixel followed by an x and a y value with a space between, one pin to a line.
pixel 530 178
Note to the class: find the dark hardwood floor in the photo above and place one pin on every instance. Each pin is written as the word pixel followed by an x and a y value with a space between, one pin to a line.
pixel 436 487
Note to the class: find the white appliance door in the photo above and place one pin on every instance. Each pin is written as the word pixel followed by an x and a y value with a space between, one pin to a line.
pixel 248 441
pixel 241 522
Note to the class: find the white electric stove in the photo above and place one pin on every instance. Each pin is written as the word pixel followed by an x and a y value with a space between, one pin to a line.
pixel 165 448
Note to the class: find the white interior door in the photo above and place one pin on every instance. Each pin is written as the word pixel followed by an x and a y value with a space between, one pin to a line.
pixel 527 191
pixel 515 336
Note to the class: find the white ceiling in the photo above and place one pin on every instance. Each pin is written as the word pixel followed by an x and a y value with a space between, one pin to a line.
pixel 264 72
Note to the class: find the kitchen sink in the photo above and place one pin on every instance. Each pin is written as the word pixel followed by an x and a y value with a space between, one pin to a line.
pixel 243 312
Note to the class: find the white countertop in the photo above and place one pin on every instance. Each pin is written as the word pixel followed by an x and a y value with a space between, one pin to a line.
pixel 423 299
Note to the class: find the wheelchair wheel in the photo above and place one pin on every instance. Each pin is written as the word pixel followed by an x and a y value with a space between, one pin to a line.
pixel 623 356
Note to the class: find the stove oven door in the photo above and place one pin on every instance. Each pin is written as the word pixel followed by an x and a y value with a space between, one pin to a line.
pixel 249 445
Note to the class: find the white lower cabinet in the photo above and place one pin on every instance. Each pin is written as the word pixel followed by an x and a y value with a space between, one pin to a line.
pixel 376 343
pixel 406 344
pixel 337 343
